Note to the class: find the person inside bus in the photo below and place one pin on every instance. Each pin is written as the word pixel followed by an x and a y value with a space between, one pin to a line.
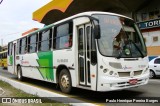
pixel 26 50
pixel 117 43
pixel 69 42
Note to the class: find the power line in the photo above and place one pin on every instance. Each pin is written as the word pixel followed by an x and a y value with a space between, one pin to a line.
pixel 6 35
pixel 13 33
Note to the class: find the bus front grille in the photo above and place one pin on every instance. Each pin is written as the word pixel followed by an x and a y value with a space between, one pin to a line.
pixel 136 73
pixel 127 74
pixel 124 74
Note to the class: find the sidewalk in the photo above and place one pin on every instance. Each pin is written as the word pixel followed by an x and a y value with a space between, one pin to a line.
pixel 7 91
pixel 39 92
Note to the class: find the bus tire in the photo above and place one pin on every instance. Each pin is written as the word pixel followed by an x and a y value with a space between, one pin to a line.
pixel 65 82
pixel 19 73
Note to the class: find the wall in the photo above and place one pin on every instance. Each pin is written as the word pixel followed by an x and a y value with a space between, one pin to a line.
pixel 148 10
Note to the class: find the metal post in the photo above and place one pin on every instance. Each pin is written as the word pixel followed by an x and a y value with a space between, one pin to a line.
pixel 1 42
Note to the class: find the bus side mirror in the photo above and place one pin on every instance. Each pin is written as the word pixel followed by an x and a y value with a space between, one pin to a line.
pixel 97 32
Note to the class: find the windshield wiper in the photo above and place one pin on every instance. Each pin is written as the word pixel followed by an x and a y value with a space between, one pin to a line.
pixel 137 48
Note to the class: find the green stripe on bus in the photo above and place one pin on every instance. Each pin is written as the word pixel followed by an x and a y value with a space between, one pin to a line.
pixel 11 60
pixel 46 60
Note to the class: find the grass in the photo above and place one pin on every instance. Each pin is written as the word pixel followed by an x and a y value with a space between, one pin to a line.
pixel 13 92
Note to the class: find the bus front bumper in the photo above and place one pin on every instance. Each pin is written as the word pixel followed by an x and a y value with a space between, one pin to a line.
pixel 112 83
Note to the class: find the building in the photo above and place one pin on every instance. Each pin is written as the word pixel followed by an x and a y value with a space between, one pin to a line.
pixel 145 12
pixel 148 19
pixel 59 9
pixel 29 31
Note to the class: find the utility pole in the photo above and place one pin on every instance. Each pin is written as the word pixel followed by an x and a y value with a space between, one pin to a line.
pixel 1 42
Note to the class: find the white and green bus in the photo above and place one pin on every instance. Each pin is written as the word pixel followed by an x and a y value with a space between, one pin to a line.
pixel 98 51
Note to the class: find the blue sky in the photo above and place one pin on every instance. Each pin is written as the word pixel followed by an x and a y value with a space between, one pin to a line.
pixel 16 18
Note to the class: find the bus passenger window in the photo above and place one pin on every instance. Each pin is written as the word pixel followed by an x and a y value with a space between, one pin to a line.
pixel 80 41
pixel 32 44
pixel 10 48
pixel 63 36
pixel 23 45
pixel 45 40
pixel 68 41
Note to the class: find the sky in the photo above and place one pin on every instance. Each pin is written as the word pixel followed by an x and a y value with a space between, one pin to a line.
pixel 16 18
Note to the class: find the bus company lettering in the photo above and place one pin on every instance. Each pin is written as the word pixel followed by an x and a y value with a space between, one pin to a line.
pixel 125 67
pixel 62 60
pixel 152 23
pixel 24 62
pixel 149 24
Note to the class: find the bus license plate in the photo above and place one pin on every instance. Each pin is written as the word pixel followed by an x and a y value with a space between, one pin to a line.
pixel 133 81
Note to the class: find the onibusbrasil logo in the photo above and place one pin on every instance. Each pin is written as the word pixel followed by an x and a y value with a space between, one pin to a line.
pixel 1 1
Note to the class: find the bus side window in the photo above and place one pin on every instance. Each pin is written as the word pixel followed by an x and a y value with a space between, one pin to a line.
pixel 88 32
pixel 10 48
pixel 45 40
pixel 17 49
pixel 20 43
pixel 93 50
pixel 23 45
pixel 63 35
pixel 32 45
pixel 50 39
pixel 54 37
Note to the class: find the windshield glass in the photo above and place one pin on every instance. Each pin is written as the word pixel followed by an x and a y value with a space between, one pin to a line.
pixel 120 37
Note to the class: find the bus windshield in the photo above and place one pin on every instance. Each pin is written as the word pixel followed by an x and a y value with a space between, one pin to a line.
pixel 120 37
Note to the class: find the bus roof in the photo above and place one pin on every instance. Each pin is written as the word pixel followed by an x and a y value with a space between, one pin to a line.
pixel 72 17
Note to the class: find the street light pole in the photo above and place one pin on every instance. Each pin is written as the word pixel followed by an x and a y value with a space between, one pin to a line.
pixel 1 42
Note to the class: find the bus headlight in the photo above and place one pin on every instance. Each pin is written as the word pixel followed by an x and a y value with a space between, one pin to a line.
pixel 105 70
pixel 111 73
pixel 116 74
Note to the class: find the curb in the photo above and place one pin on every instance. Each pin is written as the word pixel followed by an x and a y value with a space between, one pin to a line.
pixel 45 93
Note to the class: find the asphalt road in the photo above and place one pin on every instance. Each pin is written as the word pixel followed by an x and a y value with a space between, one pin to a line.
pixel 152 89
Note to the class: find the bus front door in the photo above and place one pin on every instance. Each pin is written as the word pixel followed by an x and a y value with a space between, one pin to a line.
pixel 84 55
pixel 12 65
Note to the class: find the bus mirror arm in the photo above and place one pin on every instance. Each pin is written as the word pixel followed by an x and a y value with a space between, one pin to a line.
pixel 93 57
pixel 96 29
pixel 97 32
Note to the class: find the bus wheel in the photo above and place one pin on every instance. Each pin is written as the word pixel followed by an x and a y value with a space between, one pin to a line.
pixel 65 82
pixel 19 73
